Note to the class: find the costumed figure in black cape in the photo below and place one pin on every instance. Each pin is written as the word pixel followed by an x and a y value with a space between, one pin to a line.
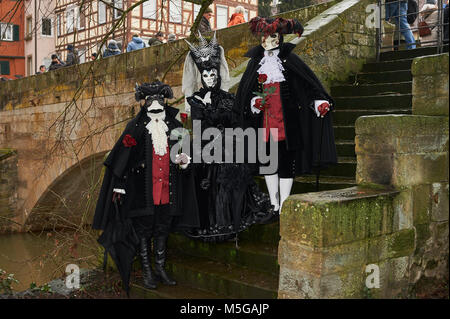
pixel 229 198
pixel 145 193
pixel 280 93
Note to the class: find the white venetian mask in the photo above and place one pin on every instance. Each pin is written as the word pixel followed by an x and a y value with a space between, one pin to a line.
pixel 271 42
pixel 209 77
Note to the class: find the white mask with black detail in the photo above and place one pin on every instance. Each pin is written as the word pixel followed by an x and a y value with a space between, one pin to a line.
pixel 209 78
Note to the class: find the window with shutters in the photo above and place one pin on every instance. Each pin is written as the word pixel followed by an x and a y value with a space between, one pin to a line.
pixel 149 9
pixel 175 13
pixel 4 68
pixel 47 27
pixel 101 12
pixel 6 32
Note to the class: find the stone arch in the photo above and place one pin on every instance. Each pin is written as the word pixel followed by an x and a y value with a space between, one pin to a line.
pixel 71 198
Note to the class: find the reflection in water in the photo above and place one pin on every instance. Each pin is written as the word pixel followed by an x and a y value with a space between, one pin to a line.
pixel 36 257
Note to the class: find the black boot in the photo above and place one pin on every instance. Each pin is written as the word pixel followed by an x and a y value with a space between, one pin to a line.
pixel 160 261
pixel 147 272
pixel 272 216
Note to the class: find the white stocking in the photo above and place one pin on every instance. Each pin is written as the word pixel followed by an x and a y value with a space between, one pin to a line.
pixel 285 189
pixel 272 187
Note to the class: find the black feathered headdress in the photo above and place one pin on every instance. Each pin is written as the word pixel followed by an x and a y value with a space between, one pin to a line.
pixel 155 88
pixel 206 55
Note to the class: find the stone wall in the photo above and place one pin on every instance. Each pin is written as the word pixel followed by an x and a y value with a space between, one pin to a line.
pixel 338 42
pixel 328 238
pixel 430 85
pixel 394 221
pixel 8 188
pixel 410 152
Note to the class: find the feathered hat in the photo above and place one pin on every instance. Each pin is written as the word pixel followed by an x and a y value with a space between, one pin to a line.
pixel 267 26
pixel 155 88
pixel 205 54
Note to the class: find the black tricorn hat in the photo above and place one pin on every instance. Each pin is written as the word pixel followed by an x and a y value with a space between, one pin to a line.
pixel 267 26
pixel 154 88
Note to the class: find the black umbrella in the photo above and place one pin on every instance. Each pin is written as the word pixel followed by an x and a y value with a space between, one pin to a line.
pixel 120 240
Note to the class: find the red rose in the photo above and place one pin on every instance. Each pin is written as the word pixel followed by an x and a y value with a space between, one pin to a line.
pixel 183 117
pixel 129 141
pixel 262 78
pixel 259 105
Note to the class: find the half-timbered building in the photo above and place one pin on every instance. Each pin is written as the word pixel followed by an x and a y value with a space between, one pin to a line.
pixel 86 23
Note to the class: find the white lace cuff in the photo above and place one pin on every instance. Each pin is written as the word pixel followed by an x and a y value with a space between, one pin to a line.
pixel 252 105
pixel 316 105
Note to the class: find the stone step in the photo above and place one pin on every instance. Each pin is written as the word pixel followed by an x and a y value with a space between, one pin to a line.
pixel 308 183
pixel 394 65
pixel 344 132
pixel 371 89
pixel 388 101
pixel 348 117
pixel 345 148
pixel 261 234
pixel 407 54
pixel 253 255
pixel 381 77
pixel 346 167
pixel 180 291
pixel 223 279
pixel 302 184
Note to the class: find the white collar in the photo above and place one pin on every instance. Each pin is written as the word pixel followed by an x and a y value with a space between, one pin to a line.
pixel 158 128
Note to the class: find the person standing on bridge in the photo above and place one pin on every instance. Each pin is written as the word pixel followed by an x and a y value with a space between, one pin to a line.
pixel 145 192
pixel 398 11
pixel 281 94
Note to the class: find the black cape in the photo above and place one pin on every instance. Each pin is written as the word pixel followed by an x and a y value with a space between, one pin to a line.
pixel 119 237
pixel 302 126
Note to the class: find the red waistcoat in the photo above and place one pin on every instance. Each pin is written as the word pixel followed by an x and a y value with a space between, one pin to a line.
pixel 160 173
pixel 273 115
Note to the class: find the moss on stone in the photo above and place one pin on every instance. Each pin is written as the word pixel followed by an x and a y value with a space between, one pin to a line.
pixel 430 64
pixel 336 217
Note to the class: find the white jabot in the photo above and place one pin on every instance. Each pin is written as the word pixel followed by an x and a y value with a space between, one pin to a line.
pixel 271 66
pixel 158 128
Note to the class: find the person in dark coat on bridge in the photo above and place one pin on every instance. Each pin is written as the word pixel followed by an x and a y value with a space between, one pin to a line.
pixel 56 63
pixel 278 91
pixel 112 49
pixel 147 191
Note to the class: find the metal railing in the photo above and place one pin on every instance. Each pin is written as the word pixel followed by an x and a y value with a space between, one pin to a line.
pixel 393 15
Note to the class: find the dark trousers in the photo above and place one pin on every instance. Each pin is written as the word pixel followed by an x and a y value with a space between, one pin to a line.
pixel 156 225
pixel 286 160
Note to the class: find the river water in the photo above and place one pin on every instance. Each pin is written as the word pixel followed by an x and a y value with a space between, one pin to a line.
pixel 41 257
